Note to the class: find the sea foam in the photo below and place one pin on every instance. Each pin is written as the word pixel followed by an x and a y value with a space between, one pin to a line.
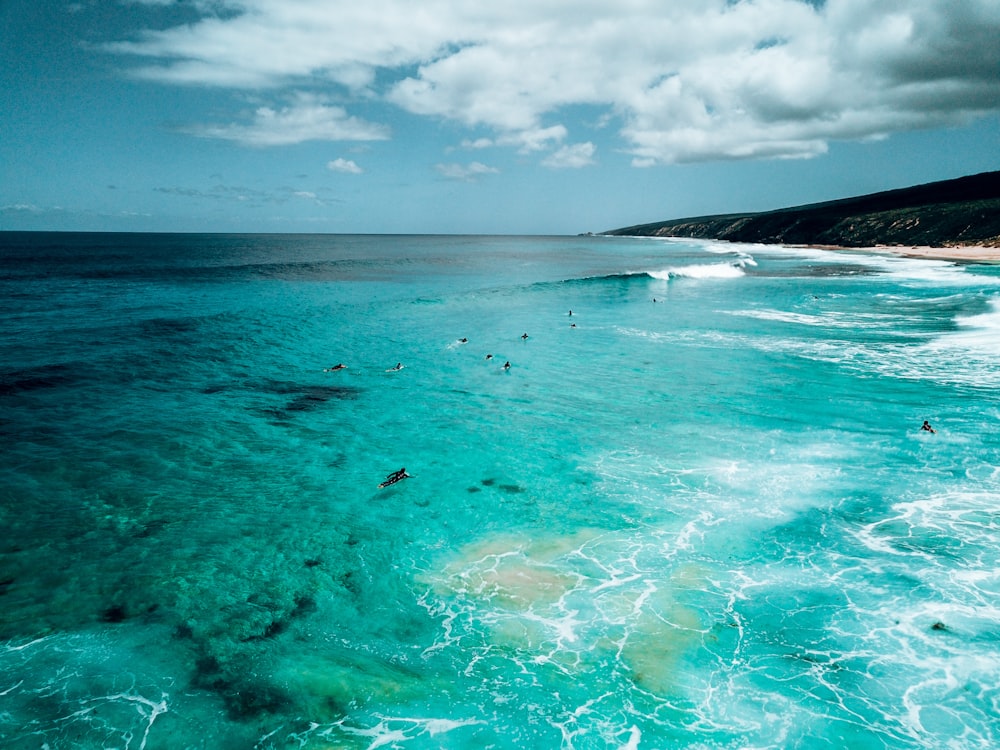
pixel 701 271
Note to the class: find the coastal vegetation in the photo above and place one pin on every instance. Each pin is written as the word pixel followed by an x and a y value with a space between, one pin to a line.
pixel 963 211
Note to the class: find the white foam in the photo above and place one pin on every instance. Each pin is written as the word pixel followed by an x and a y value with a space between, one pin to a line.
pixel 826 320
pixel 977 333
pixel 701 271
pixel 392 730
pixel 634 735
pixel 912 269
pixel 965 357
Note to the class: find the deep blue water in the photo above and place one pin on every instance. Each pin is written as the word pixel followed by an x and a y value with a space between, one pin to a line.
pixel 697 512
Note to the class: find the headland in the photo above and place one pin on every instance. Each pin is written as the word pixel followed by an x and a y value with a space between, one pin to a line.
pixel 952 220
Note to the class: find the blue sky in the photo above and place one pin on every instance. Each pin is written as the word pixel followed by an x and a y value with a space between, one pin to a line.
pixel 469 116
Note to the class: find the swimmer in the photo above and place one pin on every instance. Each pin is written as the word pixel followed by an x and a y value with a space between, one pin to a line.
pixel 463 341
pixel 926 427
pixel 524 336
pixel 394 477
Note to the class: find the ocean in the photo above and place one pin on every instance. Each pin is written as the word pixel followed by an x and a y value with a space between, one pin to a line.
pixel 697 510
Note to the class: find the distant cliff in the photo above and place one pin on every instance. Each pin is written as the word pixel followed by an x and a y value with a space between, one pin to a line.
pixel 965 211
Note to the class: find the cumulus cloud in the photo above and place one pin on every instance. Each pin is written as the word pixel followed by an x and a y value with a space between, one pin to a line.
pixel 307 119
pixel 343 165
pixel 571 157
pixel 525 141
pixel 680 81
pixel 465 172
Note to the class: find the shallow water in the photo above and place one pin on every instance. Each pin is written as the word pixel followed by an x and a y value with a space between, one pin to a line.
pixel 697 512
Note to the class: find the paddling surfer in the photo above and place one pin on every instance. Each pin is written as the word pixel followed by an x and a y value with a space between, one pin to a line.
pixel 394 477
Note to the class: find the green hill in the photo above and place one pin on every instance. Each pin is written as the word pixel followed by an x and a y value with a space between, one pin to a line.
pixel 964 211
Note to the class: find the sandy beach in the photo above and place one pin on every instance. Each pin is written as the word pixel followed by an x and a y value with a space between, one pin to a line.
pixel 963 253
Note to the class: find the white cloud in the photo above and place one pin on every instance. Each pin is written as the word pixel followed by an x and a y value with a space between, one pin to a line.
pixel 465 172
pixel 534 139
pixel 307 119
pixel 571 157
pixel 682 81
pixel 479 143
pixel 346 166
pixel 526 141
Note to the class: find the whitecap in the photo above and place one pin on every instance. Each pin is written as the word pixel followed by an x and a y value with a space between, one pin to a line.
pixel 701 271
pixel 927 270
pixel 976 333
pixel 826 320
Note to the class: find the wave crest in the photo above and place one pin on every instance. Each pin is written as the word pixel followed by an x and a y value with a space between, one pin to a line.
pixel 701 271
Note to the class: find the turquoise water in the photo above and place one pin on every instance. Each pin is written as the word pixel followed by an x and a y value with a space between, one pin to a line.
pixel 698 512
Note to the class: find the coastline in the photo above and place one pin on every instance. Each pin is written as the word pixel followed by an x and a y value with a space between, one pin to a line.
pixel 957 253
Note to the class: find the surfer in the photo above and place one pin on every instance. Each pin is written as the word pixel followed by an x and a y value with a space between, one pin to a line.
pixel 394 477
pixel 463 341
pixel 524 336
pixel 399 366
pixel 506 365
pixel 489 357
pixel 335 368
pixel 926 427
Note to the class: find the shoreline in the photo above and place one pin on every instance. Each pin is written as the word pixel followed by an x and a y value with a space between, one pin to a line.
pixel 957 253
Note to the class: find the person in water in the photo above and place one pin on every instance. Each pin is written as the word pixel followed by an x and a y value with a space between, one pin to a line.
pixel 506 365
pixel 335 368
pixel 395 477
pixel 489 356
pixel 926 427
pixel 399 366
pixel 524 335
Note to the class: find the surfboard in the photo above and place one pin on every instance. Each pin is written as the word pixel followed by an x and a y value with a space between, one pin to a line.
pixel 392 481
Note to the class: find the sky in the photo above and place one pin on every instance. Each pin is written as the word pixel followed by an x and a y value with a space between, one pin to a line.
pixel 479 116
